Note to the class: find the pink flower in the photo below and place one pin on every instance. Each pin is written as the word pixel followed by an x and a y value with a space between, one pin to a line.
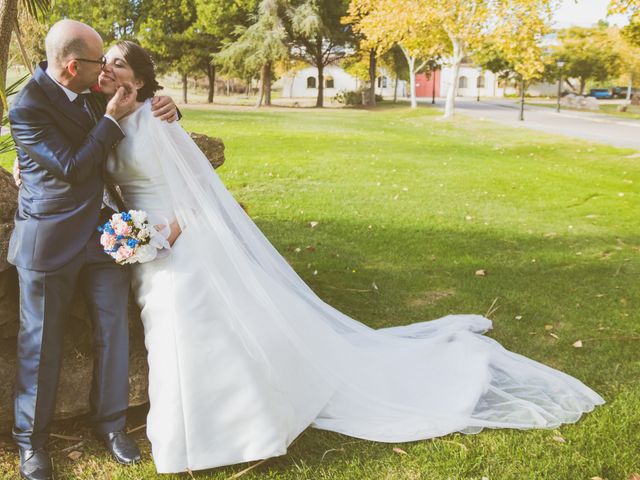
pixel 123 253
pixel 122 228
pixel 108 241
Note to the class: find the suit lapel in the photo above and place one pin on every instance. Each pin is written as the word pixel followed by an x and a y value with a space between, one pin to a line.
pixel 70 110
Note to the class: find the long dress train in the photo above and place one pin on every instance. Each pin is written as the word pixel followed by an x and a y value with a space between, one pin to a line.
pixel 243 356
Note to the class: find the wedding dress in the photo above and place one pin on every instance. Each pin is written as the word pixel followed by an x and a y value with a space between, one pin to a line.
pixel 243 356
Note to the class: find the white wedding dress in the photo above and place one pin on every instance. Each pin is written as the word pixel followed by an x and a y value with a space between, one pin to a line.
pixel 243 356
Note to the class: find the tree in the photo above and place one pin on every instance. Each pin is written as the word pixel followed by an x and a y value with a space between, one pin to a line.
pixel 257 48
pixel 217 21
pixel 8 21
pixel 9 12
pixel 316 34
pixel 628 49
pixel 518 37
pixel 113 19
pixel 393 60
pixel 589 54
pixel 387 23
pixel 167 33
pixel 624 6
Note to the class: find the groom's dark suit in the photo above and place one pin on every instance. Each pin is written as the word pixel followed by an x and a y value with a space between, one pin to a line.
pixel 55 247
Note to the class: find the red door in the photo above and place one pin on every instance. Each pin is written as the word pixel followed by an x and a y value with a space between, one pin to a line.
pixel 424 84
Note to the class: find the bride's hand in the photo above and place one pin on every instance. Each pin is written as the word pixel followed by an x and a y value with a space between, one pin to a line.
pixel 174 231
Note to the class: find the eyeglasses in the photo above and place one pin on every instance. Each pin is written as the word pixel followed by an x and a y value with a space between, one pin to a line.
pixel 102 62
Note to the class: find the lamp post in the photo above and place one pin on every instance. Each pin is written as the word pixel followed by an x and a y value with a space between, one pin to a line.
pixel 560 64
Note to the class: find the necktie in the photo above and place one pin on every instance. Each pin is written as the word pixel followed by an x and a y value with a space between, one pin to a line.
pixel 82 101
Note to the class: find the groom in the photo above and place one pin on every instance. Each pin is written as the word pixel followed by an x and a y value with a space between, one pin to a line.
pixel 63 136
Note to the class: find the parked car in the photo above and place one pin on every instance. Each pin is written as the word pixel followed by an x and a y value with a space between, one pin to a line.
pixel 600 93
pixel 621 92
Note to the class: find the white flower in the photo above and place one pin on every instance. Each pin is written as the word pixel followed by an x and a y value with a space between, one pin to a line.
pixel 145 253
pixel 139 217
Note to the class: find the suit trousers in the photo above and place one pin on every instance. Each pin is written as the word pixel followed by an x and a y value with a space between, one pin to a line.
pixel 45 300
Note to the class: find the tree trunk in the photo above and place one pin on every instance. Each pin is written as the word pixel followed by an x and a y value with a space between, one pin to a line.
pixel 320 99
pixel 261 84
pixel 395 90
pixel 629 86
pixel 433 91
pixel 267 86
pixel 522 92
pixel 184 88
pixel 411 62
pixel 372 77
pixel 458 54
pixel 582 85
pixel 264 90
pixel 8 16
pixel 23 52
pixel 211 74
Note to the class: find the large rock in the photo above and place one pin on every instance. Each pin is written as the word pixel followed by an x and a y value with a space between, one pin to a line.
pixel 77 367
pixel 213 148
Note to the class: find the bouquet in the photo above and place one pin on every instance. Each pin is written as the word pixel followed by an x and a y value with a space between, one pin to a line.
pixel 128 238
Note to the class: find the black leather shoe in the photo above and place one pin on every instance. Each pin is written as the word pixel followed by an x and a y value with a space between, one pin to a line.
pixel 122 447
pixel 35 464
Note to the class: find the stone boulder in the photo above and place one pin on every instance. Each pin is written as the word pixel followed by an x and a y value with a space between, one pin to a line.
pixel 580 102
pixel 77 367
pixel 213 148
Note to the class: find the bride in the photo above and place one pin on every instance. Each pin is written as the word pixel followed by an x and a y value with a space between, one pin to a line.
pixel 243 356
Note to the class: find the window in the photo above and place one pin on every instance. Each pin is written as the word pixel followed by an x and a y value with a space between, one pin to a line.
pixel 311 82
pixel 480 83
pixel 328 82
pixel 462 83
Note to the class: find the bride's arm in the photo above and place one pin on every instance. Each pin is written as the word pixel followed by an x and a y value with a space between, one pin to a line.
pixel 174 231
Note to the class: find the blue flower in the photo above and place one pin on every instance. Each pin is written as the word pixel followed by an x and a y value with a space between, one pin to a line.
pixel 119 237
pixel 109 230
pixel 132 242
pixel 125 216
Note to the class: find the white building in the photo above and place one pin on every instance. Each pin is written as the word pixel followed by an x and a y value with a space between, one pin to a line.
pixel 472 81
pixel 304 83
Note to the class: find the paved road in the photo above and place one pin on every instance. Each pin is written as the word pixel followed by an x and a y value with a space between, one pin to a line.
pixel 589 126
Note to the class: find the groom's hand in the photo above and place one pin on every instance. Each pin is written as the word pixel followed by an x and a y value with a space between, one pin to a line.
pixel 164 108
pixel 123 102
pixel 16 173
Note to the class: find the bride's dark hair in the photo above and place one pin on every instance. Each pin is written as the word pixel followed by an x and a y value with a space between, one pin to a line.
pixel 140 61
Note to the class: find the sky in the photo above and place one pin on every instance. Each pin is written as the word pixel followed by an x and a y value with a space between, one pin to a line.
pixel 584 13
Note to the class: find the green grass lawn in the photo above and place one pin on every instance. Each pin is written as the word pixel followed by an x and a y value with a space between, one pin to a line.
pixel 418 205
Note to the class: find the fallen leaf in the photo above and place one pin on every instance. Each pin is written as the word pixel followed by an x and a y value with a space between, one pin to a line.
pixel 297 250
pixel 548 327
pixel 375 287
pixel 399 451
pixel 554 336
pixel 596 478
pixel 310 248
pixel 481 273
pixel 634 476
pixel 578 344
pixel 313 224
pixel 518 317
pixel 75 455
pixel 559 439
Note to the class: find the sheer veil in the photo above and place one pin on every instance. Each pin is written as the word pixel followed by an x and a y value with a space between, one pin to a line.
pixel 395 384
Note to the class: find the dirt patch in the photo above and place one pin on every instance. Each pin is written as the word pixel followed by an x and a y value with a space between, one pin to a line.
pixel 430 298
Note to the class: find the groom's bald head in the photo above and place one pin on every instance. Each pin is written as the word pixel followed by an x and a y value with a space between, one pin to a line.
pixel 68 39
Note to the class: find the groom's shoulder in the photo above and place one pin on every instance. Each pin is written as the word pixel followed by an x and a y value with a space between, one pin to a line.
pixel 30 100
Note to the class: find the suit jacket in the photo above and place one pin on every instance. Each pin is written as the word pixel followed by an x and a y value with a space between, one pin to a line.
pixel 61 154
